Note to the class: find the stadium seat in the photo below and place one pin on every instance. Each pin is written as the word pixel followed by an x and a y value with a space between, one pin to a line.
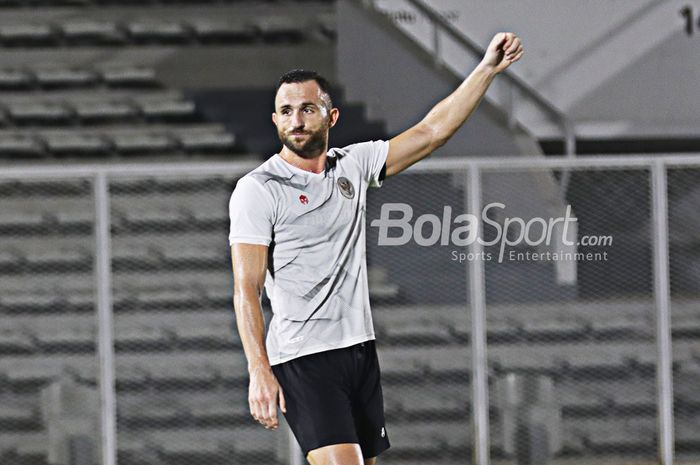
pixel 77 220
pixel 179 370
pixel 622 326
pixel 219 295
pixel 191 446
pixel 511 358
pixel 685 430
pixel 157 31
pixel 230 369
pixel 87 31
pixel 130 76
pixel 142 143
pixel 32 302
pixel 280 29
pixel 157 410
pixel 575 397
pixel 53 78
pixel 138 338
pixel 167 110
pixel 429 438
pixel 20 146
pixel 636 396
pixel 597 359
pixel 39 113
pixel 501 330
pixel 431 400
pixel 132 450
pixel 134 255
pixel 216 30
pixel 686 386
pixel 551 329
pixel 27 34
pixel 130 374
pixel 206 336
pixel 402 361
pixel 69 144
pixel 167 298
pixel 685 326
pixel 67 337
pixel 411 325
pixel 204 142
pixel 14 222
pixel 21 417
pixel 255 441
pixel 15 79
pixel 215 409
pixel 76 259
pixel 101 112
pixel 617 436
pixel 32 371
pixel 448 361
pixel 9 261
pixel 15 340
pixel 153 216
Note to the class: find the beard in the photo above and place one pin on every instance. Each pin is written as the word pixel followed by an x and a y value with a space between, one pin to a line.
pixel 315 143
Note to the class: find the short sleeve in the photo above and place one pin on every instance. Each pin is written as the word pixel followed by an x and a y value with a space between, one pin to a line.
pixel 371 156
pixel 251 211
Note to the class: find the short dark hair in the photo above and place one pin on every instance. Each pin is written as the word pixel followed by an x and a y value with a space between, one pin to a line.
pixel 304 75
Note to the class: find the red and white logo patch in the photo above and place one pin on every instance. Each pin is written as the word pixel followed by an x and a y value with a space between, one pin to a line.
pixel 303 199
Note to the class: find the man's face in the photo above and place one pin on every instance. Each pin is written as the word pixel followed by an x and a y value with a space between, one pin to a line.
pixel 303 117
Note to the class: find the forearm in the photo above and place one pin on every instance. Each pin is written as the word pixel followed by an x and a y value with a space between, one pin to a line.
pixel 449 114
pixel 251 328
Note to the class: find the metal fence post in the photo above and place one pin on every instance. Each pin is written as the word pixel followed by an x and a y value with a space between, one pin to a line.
pixel 103 285
pixel 477 293
pixel 664 380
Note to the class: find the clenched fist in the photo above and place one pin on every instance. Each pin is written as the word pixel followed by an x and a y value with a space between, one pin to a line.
pixel 505 48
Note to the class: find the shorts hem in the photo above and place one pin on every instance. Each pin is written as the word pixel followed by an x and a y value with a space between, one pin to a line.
pixel 329 442
pixel 377 452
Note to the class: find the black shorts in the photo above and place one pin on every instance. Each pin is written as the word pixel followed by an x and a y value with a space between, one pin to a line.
pixel 335 397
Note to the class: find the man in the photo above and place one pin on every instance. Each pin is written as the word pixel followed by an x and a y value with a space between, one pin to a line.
pixel 298 228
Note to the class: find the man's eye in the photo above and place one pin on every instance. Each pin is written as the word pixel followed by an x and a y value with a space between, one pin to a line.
pixel 308 110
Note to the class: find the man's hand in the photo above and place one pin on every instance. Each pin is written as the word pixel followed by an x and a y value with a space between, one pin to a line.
pixel 263 393
pixel 505 48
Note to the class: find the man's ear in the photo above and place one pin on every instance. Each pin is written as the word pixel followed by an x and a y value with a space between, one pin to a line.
pixel 334 115
pixel 274 118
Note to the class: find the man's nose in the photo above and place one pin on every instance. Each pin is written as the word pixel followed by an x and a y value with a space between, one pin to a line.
pixel 297 120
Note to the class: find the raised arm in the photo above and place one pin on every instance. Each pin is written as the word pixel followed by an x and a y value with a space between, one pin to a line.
pixel 249 265
pixel 436 128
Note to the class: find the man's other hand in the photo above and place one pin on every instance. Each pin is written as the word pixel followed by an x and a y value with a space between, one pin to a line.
pixel 263 394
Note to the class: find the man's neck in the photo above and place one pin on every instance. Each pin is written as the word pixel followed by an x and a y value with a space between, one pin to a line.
pixel 316 164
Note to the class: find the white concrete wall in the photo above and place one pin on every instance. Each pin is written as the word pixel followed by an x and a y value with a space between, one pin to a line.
pixel 621 67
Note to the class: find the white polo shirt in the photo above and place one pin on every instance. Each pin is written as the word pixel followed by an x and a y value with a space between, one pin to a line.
pixel 314 225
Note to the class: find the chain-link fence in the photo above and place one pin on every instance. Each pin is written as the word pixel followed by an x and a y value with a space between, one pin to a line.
pixel 181 374
pixel 48 366
pixel 572 351
pixel 421 321
pixel 684 241
pixel 571 342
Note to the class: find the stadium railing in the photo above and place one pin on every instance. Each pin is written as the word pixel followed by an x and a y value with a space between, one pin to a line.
pixel 119 276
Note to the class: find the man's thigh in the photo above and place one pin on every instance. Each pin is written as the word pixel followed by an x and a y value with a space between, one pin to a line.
pixel 339 454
